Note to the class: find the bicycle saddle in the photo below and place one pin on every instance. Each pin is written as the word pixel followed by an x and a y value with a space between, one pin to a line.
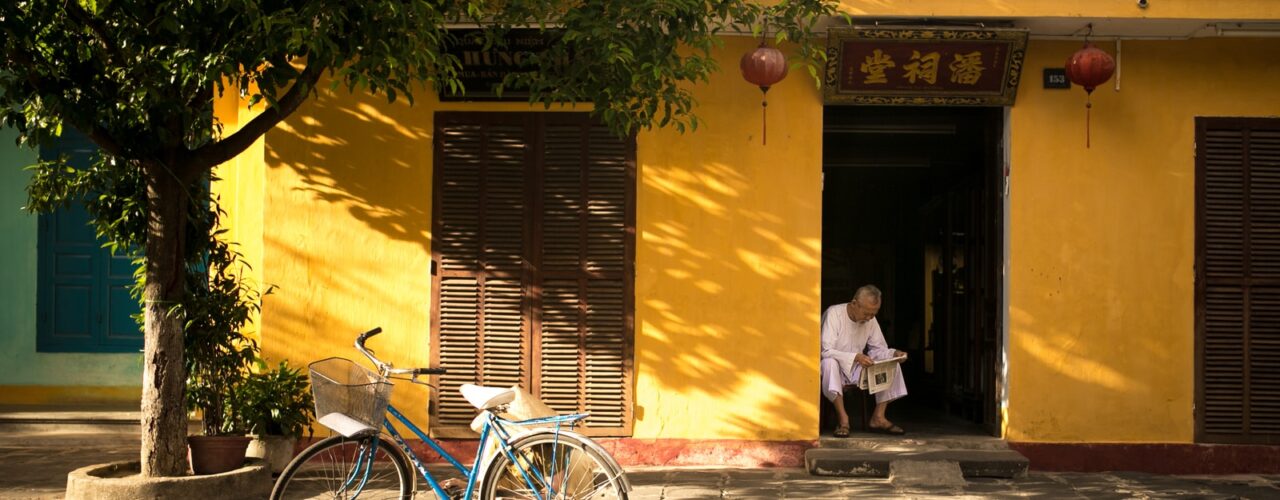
pixel 486 398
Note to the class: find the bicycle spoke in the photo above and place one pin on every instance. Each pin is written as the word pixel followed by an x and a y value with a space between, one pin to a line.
pixel 563 470
pixel 346 469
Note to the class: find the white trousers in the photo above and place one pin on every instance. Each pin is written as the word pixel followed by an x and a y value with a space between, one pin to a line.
pixel 833 382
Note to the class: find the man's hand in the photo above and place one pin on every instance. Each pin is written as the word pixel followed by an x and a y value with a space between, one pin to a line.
pixel 863 359
pixel 899 354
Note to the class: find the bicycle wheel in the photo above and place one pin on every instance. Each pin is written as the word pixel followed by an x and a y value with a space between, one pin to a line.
pixel 341 467
pixel 563 467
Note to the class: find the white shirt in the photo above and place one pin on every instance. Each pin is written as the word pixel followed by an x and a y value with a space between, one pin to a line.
pixel 843 338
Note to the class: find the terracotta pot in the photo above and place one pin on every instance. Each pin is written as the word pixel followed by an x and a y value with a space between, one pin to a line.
pixel 216 454
pixel 277 451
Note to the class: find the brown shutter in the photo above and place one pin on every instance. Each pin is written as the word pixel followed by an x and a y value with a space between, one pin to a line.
pixel 1238 280
pixel 480 305
pixel 585 272
pixel 534 236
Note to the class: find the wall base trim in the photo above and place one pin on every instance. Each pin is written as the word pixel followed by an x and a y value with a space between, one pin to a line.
pixel 682 452
pixel 1157 458
pixel 71 395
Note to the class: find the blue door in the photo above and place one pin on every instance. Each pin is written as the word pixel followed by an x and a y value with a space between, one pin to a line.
pixel 84 303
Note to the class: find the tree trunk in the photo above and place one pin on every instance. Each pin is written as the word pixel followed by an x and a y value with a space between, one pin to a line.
pixel 164 422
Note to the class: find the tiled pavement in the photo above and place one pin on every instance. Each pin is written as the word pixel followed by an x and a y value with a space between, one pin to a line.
pixel 36 466
pixel 673 483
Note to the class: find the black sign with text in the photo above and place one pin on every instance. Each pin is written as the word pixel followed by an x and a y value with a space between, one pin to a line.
pixel 483 68
pixel 1056 78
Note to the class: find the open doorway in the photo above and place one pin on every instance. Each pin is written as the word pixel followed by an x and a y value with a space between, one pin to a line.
pixel 911 203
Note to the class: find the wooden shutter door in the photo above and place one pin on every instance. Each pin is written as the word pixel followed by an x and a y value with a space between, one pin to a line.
pixel 1238 280
pixel 585 272
pixel 480 308
pixel 534 240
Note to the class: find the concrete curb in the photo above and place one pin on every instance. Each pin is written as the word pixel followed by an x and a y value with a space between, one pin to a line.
pixel 120 481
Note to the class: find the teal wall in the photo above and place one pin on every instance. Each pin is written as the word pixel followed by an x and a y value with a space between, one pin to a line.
pixel 22 365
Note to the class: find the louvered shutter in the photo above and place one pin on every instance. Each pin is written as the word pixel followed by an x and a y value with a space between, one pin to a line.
pixel 1238 280
pixel 534 240
pixel 480 302
pixel 585 272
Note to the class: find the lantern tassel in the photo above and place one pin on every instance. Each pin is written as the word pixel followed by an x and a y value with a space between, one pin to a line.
pixel 1088 108
pixel 764 122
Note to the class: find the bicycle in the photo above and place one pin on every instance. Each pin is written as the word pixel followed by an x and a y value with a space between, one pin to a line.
pixel 542 463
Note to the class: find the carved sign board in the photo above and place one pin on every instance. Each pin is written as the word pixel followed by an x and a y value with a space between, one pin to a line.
pixel 923 66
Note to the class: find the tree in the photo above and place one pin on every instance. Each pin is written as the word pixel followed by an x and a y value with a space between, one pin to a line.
pixel 139 77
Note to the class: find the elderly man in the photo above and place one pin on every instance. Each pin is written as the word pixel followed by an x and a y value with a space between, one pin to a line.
pixel 847 330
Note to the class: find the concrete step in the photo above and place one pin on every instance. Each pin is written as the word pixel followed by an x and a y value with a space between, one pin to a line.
pixel 111 420
pixel 913 442
pixel 70 419
pixel 860 462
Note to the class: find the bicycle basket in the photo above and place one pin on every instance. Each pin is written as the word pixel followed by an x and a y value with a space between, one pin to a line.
pixel 350 399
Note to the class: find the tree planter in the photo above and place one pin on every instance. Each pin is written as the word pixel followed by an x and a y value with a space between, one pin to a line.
pixel 276 451
pixel 216 454
pixel 121 481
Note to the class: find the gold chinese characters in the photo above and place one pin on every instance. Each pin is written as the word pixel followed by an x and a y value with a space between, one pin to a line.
pixel 965 69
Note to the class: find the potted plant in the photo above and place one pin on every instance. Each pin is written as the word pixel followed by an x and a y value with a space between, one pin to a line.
pixel 277 407
pixel 218 356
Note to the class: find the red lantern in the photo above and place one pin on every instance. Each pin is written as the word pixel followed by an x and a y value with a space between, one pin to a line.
pixel 1089 67
pixel 764 67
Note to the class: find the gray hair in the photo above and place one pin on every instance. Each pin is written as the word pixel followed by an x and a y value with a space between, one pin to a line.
pixel 868 291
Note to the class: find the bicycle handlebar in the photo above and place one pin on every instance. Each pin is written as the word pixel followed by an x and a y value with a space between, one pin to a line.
pixel 386 368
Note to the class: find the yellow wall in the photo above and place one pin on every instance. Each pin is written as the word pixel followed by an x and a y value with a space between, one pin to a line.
pixel 728 265
pixel 1102 239
pixel 987 9
pixel 727 259
pixel 728 243
pixel 240 192
pixel 348 231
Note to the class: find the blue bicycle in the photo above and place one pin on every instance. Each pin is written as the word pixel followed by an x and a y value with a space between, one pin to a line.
pixel 535 459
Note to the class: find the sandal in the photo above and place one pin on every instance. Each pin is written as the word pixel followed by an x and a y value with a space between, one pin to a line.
pixel 891 430
pixel 841 431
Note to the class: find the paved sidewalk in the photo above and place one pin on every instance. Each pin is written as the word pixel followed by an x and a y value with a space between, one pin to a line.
pixel 35 466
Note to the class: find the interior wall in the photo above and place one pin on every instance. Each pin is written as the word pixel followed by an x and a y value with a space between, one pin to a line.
pixel 1101 336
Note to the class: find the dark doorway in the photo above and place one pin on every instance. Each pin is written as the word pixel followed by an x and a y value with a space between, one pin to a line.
pixel 912 203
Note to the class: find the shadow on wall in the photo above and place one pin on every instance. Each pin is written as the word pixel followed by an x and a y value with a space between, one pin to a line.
pixel 727 280
pixel 729 314
pixel 374 170
pixel 347 231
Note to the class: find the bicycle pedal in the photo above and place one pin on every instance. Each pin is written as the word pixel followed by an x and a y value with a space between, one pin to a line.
pixel 455 488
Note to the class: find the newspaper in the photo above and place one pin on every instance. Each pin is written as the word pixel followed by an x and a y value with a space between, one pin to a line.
pixel 879 376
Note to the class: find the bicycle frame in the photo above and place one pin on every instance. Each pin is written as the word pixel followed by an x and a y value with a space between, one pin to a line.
pixel 494 427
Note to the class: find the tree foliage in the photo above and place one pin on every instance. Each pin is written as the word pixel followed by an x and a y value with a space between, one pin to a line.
pixel 140 78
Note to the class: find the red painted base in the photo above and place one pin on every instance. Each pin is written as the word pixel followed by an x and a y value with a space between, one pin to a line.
pixel 629 452
pixel 1153 458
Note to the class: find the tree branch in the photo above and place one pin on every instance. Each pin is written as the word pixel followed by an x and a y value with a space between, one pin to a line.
pixel 79 14
pixel 99 135
pixel 214 154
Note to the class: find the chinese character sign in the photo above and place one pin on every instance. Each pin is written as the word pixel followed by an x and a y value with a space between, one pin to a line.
pixel 922 66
